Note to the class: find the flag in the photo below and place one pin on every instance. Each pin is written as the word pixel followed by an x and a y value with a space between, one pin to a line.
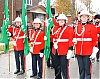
pixel 4 36
pixel 24 27
pixel 49 24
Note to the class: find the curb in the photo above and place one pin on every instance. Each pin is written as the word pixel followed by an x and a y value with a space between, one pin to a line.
pixel 11 42
pixel 2 52
pixel 10 50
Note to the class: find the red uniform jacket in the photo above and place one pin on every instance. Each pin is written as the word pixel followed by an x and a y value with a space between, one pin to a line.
pixel 98 28
pixel 65 40
pixel 98 31
pixel 86 40
pixel 37 41
pixel 18 36
pixel 55 22
pixel 51 38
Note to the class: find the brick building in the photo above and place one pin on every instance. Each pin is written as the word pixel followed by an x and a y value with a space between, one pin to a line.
pixel 33 10
pixel 15 9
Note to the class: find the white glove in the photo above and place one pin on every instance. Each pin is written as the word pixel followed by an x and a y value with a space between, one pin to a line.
pixel 31 49
pixel 9 34
pixel 98 35
pixel 41 55
pixel 24 36
pixel 55 45
pixel 45 38
pixel 69 54
pixel 94 52
pixel 74 40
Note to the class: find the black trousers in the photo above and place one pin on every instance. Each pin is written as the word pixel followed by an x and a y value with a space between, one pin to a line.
pixel 84 64
pixel 60 65
pixel 35 58
pixel 50 59
pixel 98 51
pixel 19 58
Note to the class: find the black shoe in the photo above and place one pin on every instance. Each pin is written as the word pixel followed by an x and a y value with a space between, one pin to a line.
pixel 48 66
pixel 21 72
pixel 17 71
pixel 97 60
pixel 51 67
pixel 38 77
pixel 33 75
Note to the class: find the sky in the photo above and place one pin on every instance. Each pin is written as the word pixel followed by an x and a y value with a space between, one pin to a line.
pixel 95 5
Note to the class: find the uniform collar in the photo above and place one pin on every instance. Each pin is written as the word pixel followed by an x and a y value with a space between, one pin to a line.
pixel 36 29
pixel 62 26
pixel 84 23
pixel 17 26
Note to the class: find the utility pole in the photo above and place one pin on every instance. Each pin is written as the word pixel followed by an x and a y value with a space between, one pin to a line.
pixel 12 10
pixel 73 9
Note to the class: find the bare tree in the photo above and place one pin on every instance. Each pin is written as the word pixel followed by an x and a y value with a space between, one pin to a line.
pixel 63 6
pixel 87 3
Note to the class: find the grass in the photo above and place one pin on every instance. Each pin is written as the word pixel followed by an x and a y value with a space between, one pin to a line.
pixel 2 46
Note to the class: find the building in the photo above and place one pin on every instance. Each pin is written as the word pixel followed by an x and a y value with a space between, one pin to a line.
pixel 15 6
pixel 33 10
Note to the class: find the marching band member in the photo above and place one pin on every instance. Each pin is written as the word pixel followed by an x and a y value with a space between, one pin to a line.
pixel 85 42
pixel 62 45
pixel 18 35
pixel 36 37
pixel 50 59
pixel 97 24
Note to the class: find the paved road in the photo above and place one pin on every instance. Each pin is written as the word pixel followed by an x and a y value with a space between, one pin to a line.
pixel 4 73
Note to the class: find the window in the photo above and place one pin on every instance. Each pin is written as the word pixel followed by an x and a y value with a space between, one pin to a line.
pixel 29 2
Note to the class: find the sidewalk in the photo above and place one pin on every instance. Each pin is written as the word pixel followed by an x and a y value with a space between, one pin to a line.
pixel 5 74
pixel 49 73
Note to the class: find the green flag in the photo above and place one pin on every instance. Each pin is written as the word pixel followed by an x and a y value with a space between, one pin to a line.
pixel 4 36
pixel 24 27
pixel 49 24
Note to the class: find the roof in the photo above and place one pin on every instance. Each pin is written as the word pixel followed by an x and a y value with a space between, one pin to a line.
pixel 36 9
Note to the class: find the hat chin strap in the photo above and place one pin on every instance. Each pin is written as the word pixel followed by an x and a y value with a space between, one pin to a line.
pixel 61 24
pixel 84 22
pixel 18 26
